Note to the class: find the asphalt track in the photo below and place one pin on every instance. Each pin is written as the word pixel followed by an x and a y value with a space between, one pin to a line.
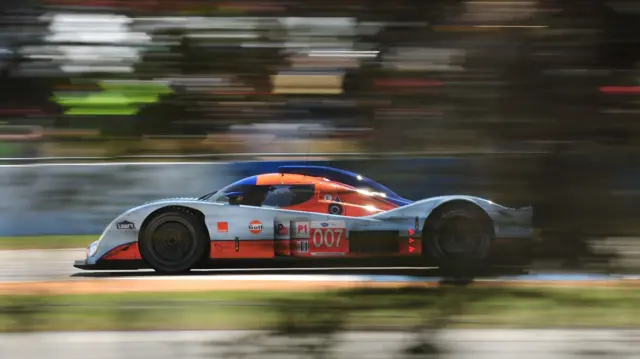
pixel 56 265
pixel 458 344
pixel 31 265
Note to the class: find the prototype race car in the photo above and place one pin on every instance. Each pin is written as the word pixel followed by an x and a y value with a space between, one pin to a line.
pixel 307 212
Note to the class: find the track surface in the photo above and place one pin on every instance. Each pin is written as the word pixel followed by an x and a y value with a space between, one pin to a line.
pixel 56 265
pixel 52 271
pixel 29 265
pixel 18 267
pixel 459 344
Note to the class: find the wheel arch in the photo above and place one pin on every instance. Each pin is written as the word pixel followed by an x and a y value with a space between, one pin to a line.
pixel 435 212
pixel 467 265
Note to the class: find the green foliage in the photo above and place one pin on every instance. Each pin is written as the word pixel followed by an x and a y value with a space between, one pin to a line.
pixel 319 315
pixel 46 242
pixel 116 98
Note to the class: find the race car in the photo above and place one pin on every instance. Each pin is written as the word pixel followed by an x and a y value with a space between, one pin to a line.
pixel 306 213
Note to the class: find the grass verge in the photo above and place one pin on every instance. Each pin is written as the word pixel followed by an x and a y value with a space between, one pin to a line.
pixel 47 242
pixel 358 308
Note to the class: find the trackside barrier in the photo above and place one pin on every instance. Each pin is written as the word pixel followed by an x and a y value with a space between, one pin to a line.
pixel 82 198
pixel 64 199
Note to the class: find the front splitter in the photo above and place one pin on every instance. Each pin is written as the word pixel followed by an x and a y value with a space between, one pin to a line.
pixel 110 265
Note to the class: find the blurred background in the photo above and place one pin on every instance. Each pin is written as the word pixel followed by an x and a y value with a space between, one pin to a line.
pixel 108 103
pixel 523 102
pixel 148 77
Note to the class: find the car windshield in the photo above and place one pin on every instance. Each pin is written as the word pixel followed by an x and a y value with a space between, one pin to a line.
pixel 247 192
pixel 222 195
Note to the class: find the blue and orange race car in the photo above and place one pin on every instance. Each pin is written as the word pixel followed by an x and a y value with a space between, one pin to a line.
pixel 306 213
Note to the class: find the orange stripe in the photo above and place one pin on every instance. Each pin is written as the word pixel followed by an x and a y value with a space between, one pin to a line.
pixel 219 249
pixel 124 252
pixel 285 179
pixel 245 249
pixel 283 247
pixel 250 249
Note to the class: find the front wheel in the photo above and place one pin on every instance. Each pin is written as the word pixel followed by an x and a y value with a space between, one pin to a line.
pixel 173 242
pixel 459 237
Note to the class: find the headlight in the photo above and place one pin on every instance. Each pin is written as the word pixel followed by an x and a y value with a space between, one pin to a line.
pixel 93 248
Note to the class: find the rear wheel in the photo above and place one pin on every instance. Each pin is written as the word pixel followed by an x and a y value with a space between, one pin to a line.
pixel 173 242
pixel 459 237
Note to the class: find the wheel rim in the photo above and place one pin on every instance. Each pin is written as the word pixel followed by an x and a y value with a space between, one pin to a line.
pixel 172 243
pixel 460 236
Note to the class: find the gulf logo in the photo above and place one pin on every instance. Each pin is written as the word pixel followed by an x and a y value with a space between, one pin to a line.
pixel 255 227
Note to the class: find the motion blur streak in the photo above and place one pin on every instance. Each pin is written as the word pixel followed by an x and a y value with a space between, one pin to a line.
pixel 524 102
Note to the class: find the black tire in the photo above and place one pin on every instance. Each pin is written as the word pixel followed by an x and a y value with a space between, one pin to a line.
pixel 459 236
pixel 173 242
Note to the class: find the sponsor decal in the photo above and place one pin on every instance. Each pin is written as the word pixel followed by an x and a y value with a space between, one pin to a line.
pixel 328 224
pixel 255 227
pixel 327 238
pixel 301 230
pixel 282 230
pixel 125 225
pixel 223 227
pixel 302 246
pixel 328 197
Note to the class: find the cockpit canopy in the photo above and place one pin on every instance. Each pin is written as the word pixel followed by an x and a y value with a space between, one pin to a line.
pixel 247 192
pixel 295 185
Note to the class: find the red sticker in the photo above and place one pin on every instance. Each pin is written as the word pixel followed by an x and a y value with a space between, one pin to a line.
pixel 282 230
pixel 223 227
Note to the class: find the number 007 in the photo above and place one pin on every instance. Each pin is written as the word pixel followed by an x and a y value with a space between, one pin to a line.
pixel 329 238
